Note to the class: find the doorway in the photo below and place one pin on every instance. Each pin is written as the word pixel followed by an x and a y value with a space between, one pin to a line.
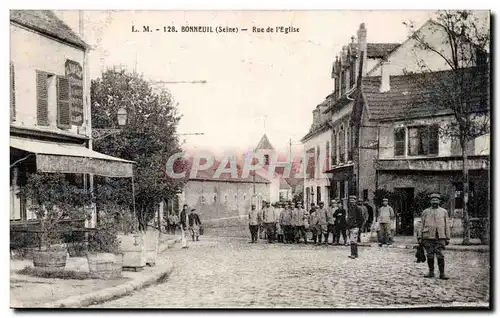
pixel 404 210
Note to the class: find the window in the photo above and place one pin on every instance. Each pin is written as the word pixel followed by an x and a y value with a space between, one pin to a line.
pixel 266 160
pixel 352 76
pixel 399 141
pixel 318 195
pixel 459 194
pixel 12 93
pixel 311 165
pixel 343 83
pixel 341 141
pixel 334 148
pixel 423 140
pixel 318 158
pixel 225 198
pixel 215 198
pixel 244 197
pixel 327 155
pixel 349 143
pixel 203 199
pixel 63 103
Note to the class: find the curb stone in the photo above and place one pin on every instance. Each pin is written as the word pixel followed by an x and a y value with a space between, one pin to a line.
pixel 472 248
pixel 104 295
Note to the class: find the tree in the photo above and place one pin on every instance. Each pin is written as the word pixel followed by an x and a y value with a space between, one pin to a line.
pixel 463 90
pixel 149 138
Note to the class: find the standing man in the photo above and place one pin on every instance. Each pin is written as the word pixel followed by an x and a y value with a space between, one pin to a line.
pixel 301 230
pixel 365 217
pixel 435 234
pixel 295 223
pixel 314 222
pixel 183 222
pixel 331 221
pixel 385 217
pixel 194 224
pixel 277 227
pixel 369 222
pixel 285 222
pixel 268 219
pixel 340 224
pixel 253 222
pixel 355 221
pixel 174 221
pixel 323 224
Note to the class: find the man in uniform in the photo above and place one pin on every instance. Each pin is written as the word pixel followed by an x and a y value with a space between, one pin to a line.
pixel 340 224
pixel 183 222
pixel 253 222
pixel 385 216
pixel 268 219
pixel 286 221
pixel 301 230
pixel 194 224
pixel 355 221
pixel 323 224
pixel 313 222
pixel 365 217
pixel 331 221
pixel 435 234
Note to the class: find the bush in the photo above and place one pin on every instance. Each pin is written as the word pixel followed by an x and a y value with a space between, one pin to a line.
pixel 61 274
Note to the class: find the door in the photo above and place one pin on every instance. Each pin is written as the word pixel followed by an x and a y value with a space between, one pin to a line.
pixel 404 211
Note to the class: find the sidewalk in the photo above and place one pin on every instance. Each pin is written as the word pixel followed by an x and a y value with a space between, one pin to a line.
pixel 455 244
pixel 34 292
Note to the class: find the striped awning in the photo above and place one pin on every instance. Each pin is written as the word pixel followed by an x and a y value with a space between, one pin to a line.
pixel 72 158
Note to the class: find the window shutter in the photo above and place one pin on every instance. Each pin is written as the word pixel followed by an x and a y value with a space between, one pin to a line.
pixel 434 140
pixel 12 93
pixel 42 110
pixel 63 105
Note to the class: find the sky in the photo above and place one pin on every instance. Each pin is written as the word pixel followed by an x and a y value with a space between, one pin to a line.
pixel 256 82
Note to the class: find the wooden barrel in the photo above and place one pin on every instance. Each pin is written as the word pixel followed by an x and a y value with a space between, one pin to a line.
pixel 50 260
pixel 105 265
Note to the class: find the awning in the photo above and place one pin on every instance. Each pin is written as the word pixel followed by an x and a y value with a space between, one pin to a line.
pixel 341 173
pixel 70 158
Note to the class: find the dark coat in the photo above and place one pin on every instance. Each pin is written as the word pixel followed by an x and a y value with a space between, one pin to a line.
pixel 194 219
pixel 355 217
pixel 183 219
pixel 340 217
pixel 370 213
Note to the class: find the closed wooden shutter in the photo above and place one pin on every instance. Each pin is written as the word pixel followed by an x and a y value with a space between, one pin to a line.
pixel 12 93
pixel 42 106
pixel 63 105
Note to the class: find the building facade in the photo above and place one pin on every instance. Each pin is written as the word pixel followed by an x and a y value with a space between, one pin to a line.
pixel 50 120
pixel 352 143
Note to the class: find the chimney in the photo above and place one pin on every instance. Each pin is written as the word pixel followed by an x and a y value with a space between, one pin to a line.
pixel 362 46
pixel 385 78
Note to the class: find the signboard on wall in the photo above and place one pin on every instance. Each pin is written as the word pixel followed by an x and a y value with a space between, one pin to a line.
pixel 74 72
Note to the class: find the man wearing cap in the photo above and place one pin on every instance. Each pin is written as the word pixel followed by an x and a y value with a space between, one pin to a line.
pixel 340 224
pixel 279 230
pixel 331 221
pixel 385 216
pixel 268 219
pixel 301 230
pixel 435 234
pixel 323 224
pixel 253 222
pixel 286 221
pixel 194 224
pixel 355 221
pixel 183 222
pixel 365 217
pixel 314 222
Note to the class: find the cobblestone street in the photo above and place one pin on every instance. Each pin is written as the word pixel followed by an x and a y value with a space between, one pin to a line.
pixel 232 273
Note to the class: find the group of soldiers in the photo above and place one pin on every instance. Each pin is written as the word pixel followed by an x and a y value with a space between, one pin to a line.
pixel 289 224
